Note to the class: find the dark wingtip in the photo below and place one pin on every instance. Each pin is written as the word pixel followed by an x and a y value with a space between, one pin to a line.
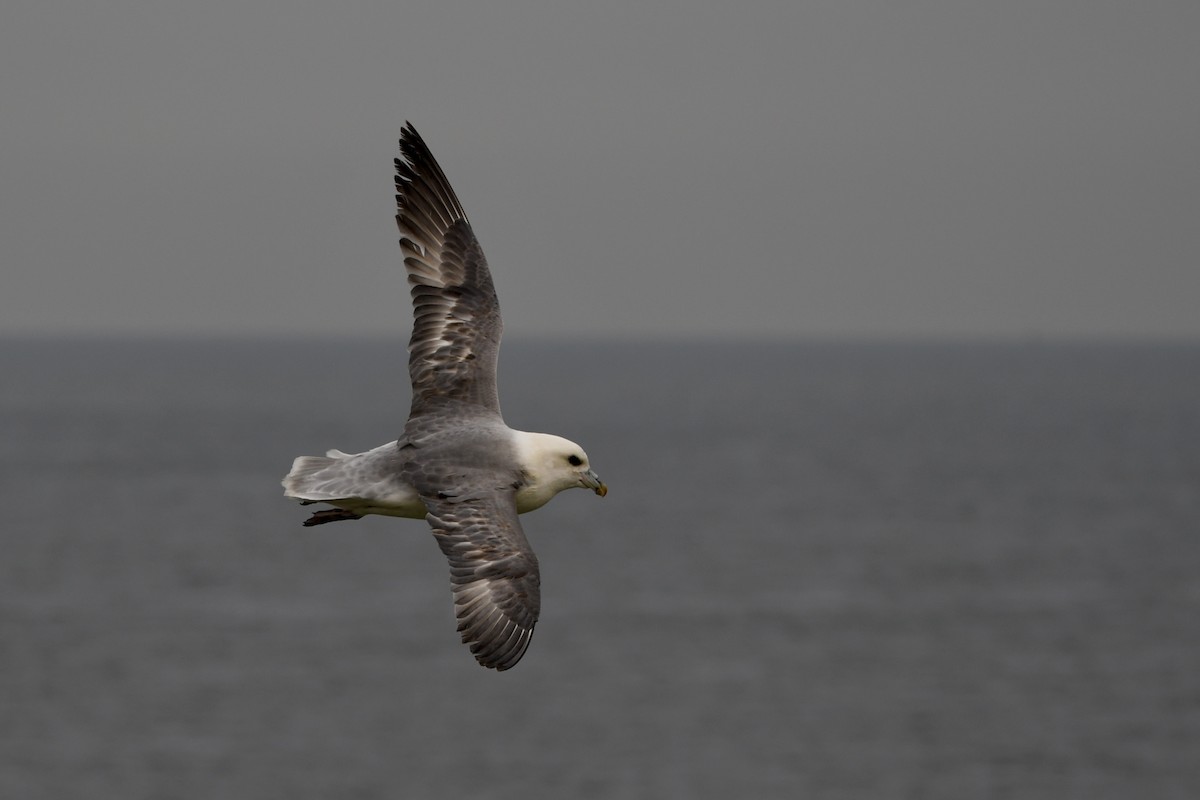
pixel 412 147
pixel 422 188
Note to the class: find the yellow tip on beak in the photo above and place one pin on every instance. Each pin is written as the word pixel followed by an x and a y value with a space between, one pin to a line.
pixel 592 481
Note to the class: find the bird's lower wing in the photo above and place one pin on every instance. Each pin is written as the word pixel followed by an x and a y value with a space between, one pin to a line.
pixel 493 573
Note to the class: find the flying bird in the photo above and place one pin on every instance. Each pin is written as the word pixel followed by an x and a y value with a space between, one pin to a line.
pixel 457 464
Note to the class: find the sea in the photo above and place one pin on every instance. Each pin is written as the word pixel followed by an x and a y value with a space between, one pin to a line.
pixel 823 570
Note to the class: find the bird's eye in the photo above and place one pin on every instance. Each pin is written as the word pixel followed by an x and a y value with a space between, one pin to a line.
pixel 574 460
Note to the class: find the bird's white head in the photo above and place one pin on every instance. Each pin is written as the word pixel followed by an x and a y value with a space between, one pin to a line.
pixel 552 464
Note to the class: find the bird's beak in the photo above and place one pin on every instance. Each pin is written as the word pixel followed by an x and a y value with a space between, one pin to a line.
pixel 592 481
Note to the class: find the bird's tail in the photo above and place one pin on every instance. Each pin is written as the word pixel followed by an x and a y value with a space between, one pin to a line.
pixel 316 478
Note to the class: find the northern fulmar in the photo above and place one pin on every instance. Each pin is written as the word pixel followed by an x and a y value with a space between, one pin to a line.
pixel 457 464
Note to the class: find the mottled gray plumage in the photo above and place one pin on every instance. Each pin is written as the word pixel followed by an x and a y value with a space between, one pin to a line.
pixel 456 317
pixel 457 464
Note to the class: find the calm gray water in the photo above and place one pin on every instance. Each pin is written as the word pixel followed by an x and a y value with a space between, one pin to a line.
pixel 822 571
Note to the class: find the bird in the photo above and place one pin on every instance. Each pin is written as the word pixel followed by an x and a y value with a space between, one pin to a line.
pixel 456 464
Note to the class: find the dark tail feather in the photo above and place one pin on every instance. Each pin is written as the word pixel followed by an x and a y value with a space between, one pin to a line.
pixel 330 515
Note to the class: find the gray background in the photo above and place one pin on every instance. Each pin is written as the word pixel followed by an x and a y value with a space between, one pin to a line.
pixel 1024 169
pixel 824 570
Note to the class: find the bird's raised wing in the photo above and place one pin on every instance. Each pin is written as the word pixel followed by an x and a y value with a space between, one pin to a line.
pixel 456 325
pixel 493 573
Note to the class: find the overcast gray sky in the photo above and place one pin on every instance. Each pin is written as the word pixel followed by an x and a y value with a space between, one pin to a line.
pixel 634 169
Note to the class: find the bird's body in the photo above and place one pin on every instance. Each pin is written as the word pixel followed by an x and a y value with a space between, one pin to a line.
pixel 457 464
pixel 371 483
